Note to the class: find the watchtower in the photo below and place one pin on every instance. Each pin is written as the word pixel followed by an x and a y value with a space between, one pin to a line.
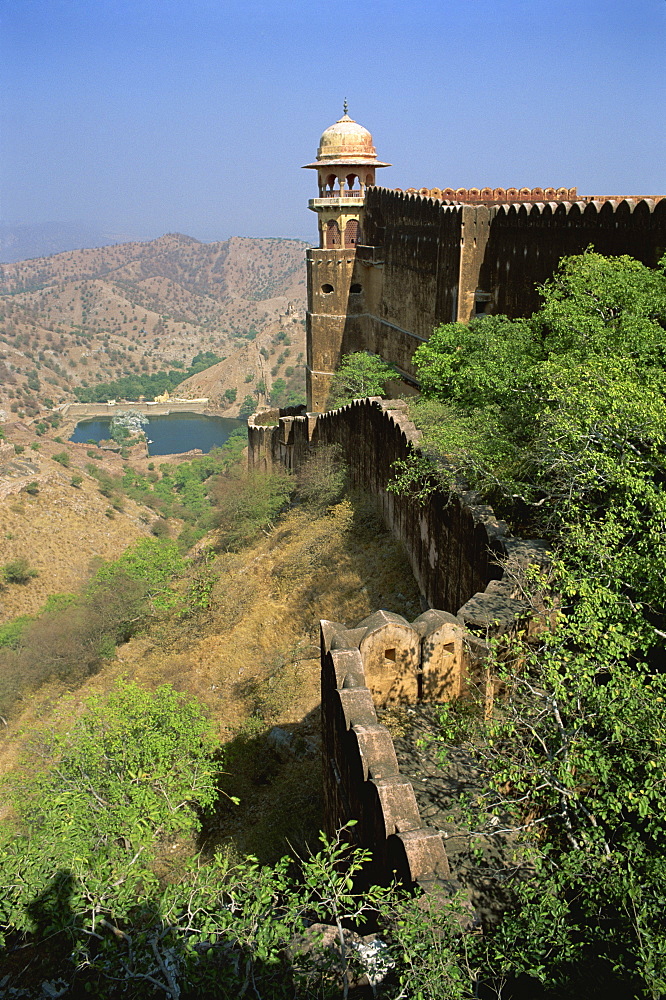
pixel 346 164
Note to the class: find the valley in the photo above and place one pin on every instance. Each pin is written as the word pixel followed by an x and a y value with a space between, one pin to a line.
pixel 84 318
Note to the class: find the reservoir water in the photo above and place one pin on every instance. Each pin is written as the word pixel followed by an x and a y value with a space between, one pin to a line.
pixel 168 435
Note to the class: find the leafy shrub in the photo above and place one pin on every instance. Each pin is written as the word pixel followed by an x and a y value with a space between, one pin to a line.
pixel 247 504
pixel 322 480
pixel 18 571
pixel 63 457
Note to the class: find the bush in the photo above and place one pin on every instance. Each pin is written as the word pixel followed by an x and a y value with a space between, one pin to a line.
pixel 76 481
pixel 18 571
pixel 63 457
pixel 322 480
pixel 32 488
pixel 247 504
pixel 160 528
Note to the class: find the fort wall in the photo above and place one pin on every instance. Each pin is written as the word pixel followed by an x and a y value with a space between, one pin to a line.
pixel 362 779
pixel 429 261
pixel 454 546
pixel 433 269
pixel 452 542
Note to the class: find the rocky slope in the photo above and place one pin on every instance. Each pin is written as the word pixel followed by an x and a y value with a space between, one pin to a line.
pixel 89 316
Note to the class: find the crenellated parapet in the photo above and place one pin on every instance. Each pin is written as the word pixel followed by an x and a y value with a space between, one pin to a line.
pixel 455 545
pixel 447 261
pixel 362 780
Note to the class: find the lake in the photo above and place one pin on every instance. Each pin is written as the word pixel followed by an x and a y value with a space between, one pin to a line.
pixel 168 435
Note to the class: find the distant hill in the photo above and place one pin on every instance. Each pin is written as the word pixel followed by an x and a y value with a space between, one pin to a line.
pixel 84 317
pixel 24 242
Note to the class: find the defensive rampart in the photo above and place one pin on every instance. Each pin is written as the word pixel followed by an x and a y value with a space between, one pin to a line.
pixel 453 542
pixel 362 780
pixel 503 250
pixel 457 550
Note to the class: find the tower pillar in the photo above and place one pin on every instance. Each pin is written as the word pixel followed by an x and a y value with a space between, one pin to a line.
pixel 346 163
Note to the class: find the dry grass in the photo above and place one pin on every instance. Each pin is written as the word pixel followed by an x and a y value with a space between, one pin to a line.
pixel 252 659
pixel 62 531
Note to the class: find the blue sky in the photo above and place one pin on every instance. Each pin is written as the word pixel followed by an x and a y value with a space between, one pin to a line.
pixel 153 116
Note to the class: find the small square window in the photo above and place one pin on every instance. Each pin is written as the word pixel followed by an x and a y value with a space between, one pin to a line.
pixel 390 654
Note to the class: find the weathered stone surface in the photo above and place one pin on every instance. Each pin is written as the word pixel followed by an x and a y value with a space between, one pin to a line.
pixel 399 807
pixel 423 852
pixel 376 751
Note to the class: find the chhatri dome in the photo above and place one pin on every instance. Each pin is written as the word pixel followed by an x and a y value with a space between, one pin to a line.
pixel 346 143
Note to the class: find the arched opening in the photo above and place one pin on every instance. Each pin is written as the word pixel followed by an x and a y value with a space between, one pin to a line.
pixel 332 234
pixel 327 289
pixel 351 178
pixel 369 179
pixel 351 233
pixel 356 289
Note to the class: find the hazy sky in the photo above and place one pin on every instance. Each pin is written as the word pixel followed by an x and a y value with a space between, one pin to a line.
pixel 153 116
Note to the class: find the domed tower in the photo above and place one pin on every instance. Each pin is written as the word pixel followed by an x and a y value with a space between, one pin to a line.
pixel 346 163
pixel 339 278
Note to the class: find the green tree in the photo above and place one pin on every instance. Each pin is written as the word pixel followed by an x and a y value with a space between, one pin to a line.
pixel 278 391
pixel 360 374
pixel 247 407
pixel 561 420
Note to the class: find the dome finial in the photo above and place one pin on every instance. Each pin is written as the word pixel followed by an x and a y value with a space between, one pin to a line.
pixel 345 107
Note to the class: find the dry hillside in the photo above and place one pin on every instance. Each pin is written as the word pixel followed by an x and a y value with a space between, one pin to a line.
pixel 251 656
pixel 85 317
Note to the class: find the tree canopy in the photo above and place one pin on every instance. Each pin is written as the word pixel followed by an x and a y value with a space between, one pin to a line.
pixel 359 374
pixel 560 419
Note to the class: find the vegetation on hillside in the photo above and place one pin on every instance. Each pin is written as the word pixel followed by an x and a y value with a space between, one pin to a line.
pixel 180 490
pixel 130 311
pixel 560 419
pixel 140 385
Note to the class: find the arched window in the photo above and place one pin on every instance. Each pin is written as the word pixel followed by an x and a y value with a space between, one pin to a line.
pixel 332 234
pixel 330 181
pixel 351 233
pixel 350 181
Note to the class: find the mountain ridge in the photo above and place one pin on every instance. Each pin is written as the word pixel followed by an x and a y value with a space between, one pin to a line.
pixel 86 317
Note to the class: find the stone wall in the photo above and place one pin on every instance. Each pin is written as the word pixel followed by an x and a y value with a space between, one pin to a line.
pixel 453 545
pixel 362 780
pixel 452 542
pixel 437 255
pixel 526 243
